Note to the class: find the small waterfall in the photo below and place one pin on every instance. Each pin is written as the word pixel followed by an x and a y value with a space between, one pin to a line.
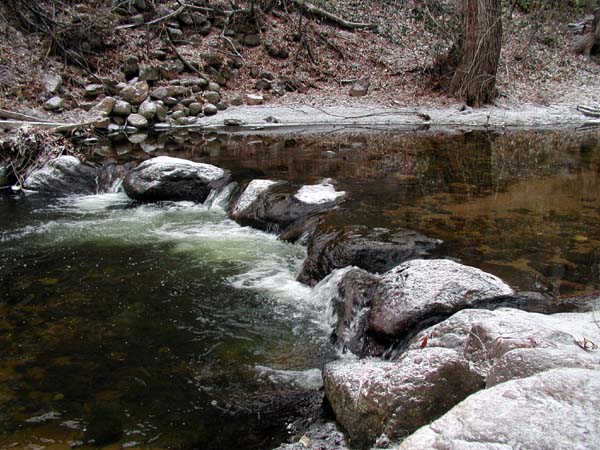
pixel 109 178
pixel 326 294
pixel 219 198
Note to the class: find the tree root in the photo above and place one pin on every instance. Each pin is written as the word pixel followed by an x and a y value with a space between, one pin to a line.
pixel 309 8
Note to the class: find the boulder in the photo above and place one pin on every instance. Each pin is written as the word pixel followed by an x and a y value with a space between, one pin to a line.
pixel 54 104
pixel 135 94
pixel 376 250
pixel 195 108
pixel 137 121
pixel 349 293
pixel 63 175
pixel 104 106
pixel 121 108
pixel 160 93
pixel 254 99
pixel 371 397
pixel 492 338
pixel 420 292
pixel 272 206
pixel 210 109
pixel 212 97
pixel 166 178
pixel 147 109
pixel 556 409
pixel 360 88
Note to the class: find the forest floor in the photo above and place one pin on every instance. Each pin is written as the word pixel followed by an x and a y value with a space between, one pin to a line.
pixel 538 69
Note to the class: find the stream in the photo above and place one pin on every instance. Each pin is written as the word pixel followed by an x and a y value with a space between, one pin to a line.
pixel 170 326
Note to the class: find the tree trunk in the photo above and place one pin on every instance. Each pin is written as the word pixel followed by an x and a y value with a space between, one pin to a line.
pixel 474 79
pixel 589 43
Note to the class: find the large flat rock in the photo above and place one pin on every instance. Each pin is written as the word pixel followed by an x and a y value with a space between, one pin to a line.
pixel 556 409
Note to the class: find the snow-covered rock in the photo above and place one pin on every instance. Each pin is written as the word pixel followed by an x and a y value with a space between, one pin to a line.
pixel 167 178
pixel 421 291
pixel 556 409
pixel 63 175
pixel 275 206
pixel 370 397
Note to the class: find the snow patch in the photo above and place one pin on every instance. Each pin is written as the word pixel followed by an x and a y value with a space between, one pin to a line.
pixel 251 193
pixel 323 192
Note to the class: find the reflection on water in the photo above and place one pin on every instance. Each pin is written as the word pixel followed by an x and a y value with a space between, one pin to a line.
pixel 169 326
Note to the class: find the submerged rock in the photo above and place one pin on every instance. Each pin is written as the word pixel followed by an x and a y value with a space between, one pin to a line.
pixel 275 206
pixel 376 250
pixel 370 397
pixel 420 292
pixel 556 409
pixel 166 178
pixel 63 175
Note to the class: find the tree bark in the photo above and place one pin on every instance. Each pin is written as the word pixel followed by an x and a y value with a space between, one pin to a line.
pixel 474 79
pixel 590 42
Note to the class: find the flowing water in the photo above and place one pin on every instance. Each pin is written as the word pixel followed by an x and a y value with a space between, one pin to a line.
pixel 170 326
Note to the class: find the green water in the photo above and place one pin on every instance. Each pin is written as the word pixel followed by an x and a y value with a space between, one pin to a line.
pixel 148 321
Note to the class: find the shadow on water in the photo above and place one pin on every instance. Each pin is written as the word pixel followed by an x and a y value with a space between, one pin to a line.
pixel 145 325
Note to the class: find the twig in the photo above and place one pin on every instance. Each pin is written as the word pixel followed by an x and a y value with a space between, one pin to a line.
pixel 152 22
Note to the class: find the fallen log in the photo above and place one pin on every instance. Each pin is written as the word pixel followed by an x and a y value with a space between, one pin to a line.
pixel 5 114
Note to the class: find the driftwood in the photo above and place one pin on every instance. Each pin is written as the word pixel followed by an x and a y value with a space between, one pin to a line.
pixel 152 22
pixel 587 111
pixel 18 116
pixel 58 127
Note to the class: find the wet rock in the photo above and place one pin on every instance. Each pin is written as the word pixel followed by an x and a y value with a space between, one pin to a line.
pixel 137 121
pixel 147 109
pixel 210 110
pixel 351 295
pixel 63 175
pixel 376 250
pixel 275 206
pixel 54 104
pixel 166 178
pixel 419 292
pixel 105 106
pixel 93 90
pixel 556 409
pixel 136 94
pixel 222 106
pixel 170 101
pixel 121 108
pixel 6 176
pixel 319 436
pixel 254 99
pixel 233 122
pixel 360 88
pixel 52 82
pixel 370 397
pixel 213 87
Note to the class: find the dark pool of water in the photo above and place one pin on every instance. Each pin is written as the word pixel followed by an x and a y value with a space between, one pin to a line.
pixel 153 325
